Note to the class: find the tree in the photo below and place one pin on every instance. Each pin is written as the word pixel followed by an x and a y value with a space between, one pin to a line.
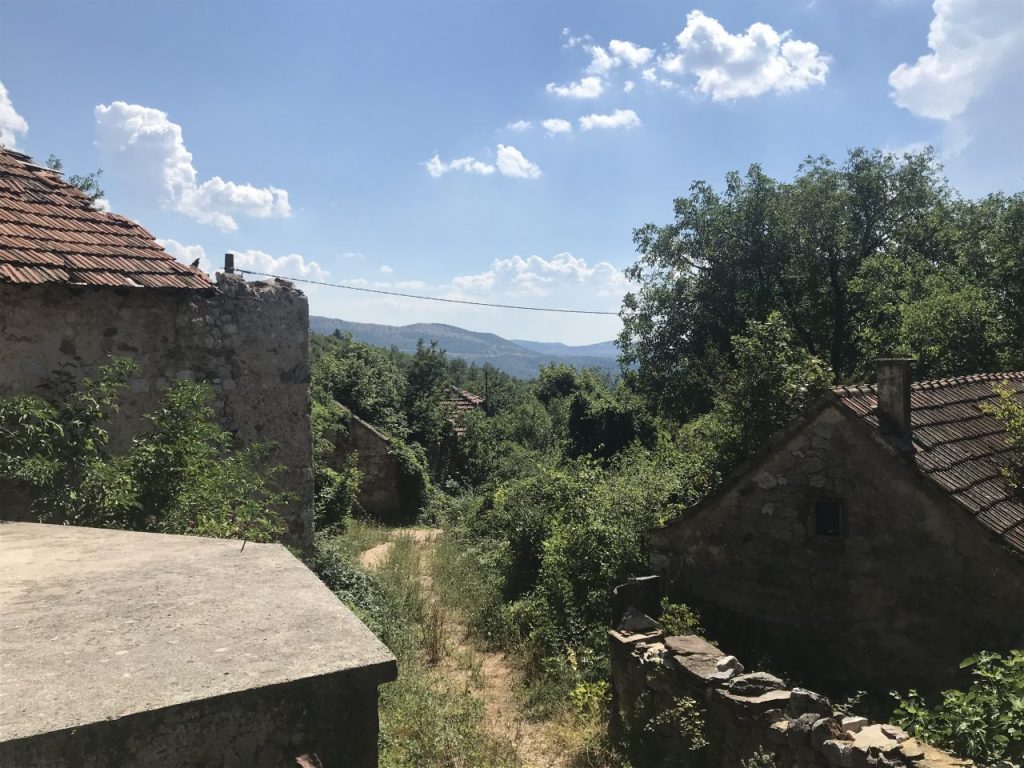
pixel 88 185
pixel 853 257
pixel 427 383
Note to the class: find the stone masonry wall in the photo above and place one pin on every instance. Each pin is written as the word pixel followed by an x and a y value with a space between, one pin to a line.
pixel 249 340
pixel 743 714
pixel 910 588
pixel 379 492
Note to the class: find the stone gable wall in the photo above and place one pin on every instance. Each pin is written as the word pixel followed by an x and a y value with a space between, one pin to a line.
pixel 742 714
pixel 249 340
pixel 379 489
pixel 911 588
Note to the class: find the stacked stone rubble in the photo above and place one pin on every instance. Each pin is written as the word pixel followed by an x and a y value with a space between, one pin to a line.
pixel 745 714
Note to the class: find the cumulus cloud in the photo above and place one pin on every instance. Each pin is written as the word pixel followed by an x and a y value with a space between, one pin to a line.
pixel 437 167
pixel 385 269
pixel 292 265
pixel 971 42
pixel 620 118
pixel 628 86
pixel 759 60
pixel 11 123
pixel 186 254
pixel 146 150
pixel 630 53
pixel 519 126
pixel 555 125
pixel 511 162
pixel 539 277
pixel 586 88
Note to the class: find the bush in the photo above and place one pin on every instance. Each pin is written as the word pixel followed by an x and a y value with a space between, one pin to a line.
pixel 984 723
pixel 181 475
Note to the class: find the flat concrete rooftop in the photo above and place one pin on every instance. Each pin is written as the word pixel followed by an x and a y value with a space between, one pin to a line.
pixel 98 625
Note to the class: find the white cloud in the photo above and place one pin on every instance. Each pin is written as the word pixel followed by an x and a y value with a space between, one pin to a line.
pixel 650 75
pixel 600 62
pixel 559 277
pixel 186 254
pixel 672 64
pixel 292 265
pixel 385 269
pixel 620 118
pixel 971 41
pixel 11 123
pixel 511 162
pixel 630 53
pixel 437 167
pixel 628 86
pixel 556 125
pixel 146 150
pixel 519 126
pixel 759 60
pixel 586 88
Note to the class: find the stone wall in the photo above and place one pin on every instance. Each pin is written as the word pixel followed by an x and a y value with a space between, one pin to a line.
pixel 741 715
pixel 249 340
pixel 909 588
pixel 379 492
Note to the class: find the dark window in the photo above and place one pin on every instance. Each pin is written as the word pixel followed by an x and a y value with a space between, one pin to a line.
pixel 828 518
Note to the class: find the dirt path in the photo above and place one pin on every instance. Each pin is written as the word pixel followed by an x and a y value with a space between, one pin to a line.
pixel 486 674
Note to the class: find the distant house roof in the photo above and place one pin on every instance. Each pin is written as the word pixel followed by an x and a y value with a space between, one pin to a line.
pixel 458 403
pixel 959 447
pixel 50 233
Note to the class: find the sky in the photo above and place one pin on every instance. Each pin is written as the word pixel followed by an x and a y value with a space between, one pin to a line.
pixel 492 150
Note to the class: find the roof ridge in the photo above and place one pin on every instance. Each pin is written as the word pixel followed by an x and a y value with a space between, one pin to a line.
pixel 850 390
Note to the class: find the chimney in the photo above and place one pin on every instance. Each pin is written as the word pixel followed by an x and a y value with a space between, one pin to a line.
pixel 893 391
pixel 229 263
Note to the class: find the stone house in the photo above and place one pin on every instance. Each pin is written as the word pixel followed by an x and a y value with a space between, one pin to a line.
pixel 874 544
pixel 78 285
pixel 380 486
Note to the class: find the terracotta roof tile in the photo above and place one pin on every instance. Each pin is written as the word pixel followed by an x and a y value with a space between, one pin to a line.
pixel 458 403
pixel 50 233
pixel 959 447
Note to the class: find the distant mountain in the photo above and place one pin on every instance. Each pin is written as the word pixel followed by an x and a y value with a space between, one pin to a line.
pixel 518 358
pixel 601 349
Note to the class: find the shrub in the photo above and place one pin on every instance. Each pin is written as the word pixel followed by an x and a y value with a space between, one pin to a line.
pixel 984 723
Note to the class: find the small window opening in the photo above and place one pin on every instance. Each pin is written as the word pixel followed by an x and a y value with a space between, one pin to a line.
pixel 828 518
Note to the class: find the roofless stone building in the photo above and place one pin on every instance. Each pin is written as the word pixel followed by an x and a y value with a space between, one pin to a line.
pixel 78 285
pixel 876 543
pixel 148 650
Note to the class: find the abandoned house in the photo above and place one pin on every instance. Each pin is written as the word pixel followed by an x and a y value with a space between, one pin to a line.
pixel 379 466
pixel 876 543
pixel 457 404
pixel 78 285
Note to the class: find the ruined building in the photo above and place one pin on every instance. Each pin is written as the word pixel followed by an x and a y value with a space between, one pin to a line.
pixel 874 544
pixel 78 286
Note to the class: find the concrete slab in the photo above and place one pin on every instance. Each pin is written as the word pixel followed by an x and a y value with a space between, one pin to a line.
pixel 98 626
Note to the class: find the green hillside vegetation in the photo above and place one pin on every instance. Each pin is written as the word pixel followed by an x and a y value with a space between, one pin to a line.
pixel 517 358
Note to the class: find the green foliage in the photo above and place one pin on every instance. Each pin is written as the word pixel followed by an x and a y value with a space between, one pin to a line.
pixel 88 185
pixel 1009 411
pixel 679 619
pixel 181 475
pixel 873 257
pixel 427 384
pixel 685 720
pixel 336 490
pixel 984 723
pixel 761 759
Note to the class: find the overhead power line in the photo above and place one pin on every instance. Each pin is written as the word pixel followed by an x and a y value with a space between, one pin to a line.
pixel 429 298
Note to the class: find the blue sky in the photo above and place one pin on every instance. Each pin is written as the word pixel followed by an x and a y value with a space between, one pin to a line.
pixel 370 143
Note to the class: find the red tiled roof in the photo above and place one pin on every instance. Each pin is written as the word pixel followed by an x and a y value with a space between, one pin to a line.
pixel 50 233
pixel 959 447
pixel 458 403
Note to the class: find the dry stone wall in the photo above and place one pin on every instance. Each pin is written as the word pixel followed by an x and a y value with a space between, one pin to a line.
pixel 379 489
pixel 744 714
pixel 250 341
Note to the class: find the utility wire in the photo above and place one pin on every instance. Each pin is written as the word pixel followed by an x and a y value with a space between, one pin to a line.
pixel 429 298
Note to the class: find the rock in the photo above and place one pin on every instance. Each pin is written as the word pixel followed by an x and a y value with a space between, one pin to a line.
pixel 765 480
pixel 777 731
pixel 634 622
pixel 755 683
pixel 799 732
pixel 873 738
pixel 911 749
pixel 653 653
pixel 853 724
pixel 803 701
pixel 837 752
pixel 730 663
pixel 755 706
pixel 823 730
pixel 694 656
pixel 895 732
